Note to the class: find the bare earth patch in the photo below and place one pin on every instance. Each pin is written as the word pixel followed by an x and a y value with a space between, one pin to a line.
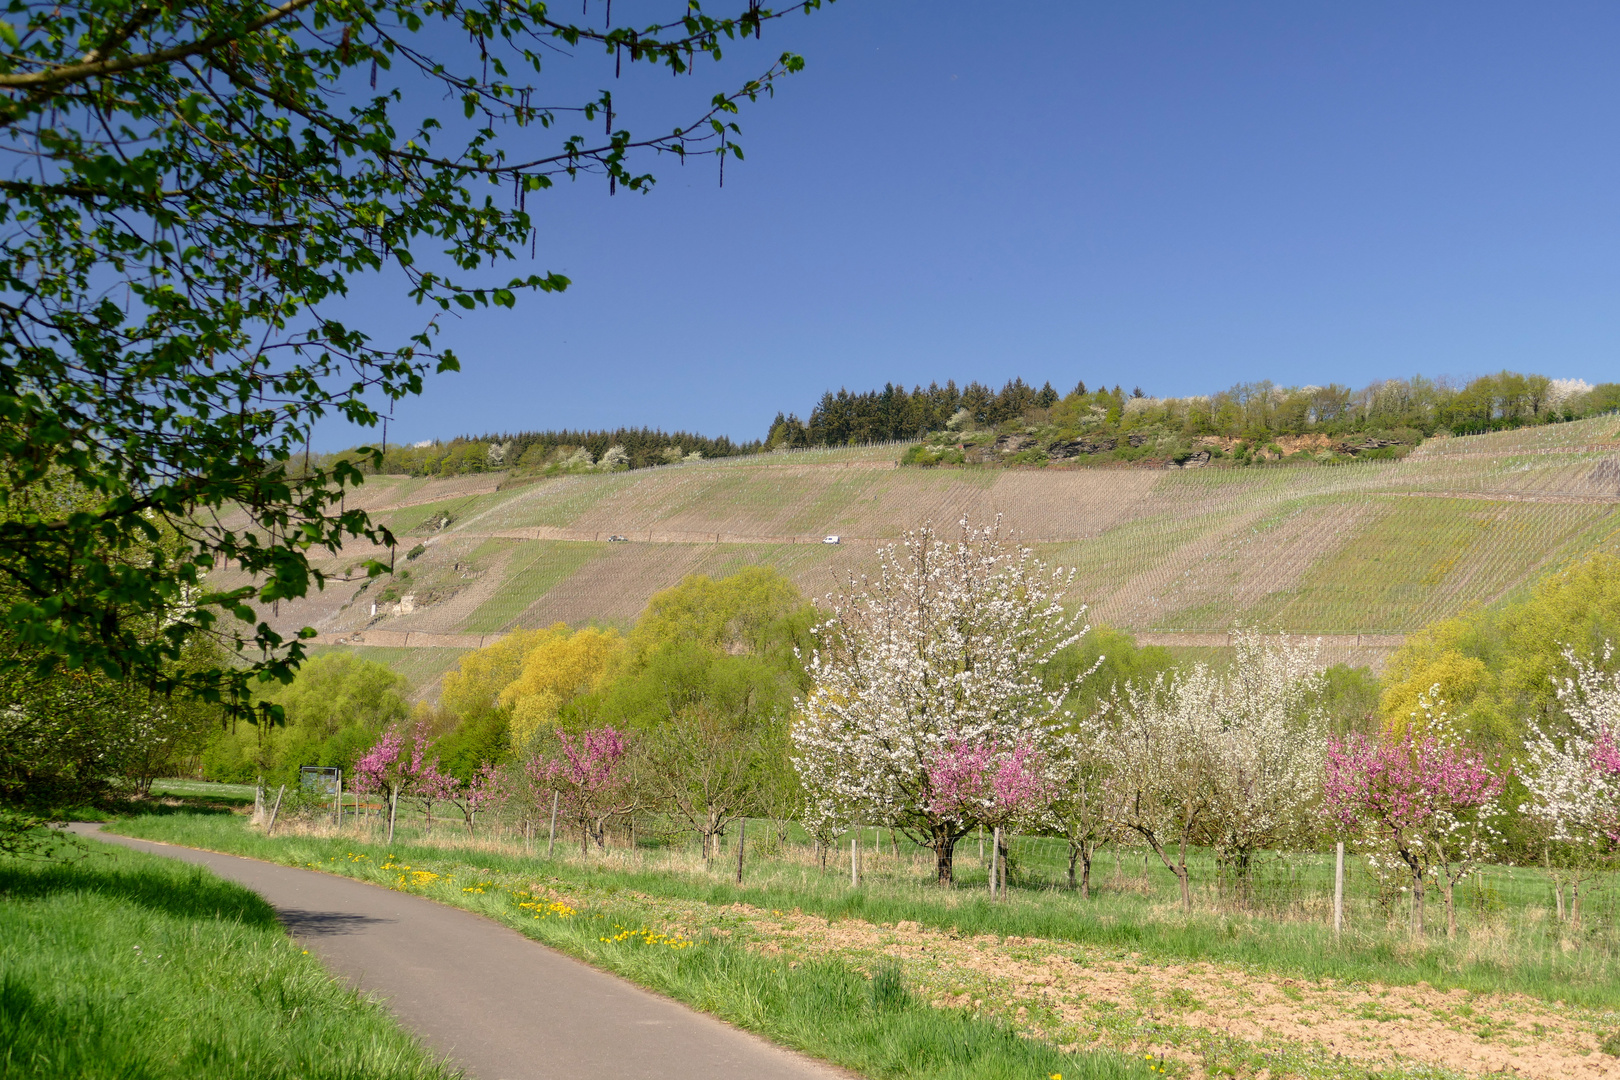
pixel 1204 1020
pixel 1216 1019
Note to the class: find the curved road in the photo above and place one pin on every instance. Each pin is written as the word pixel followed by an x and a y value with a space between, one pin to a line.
pixel 497 1004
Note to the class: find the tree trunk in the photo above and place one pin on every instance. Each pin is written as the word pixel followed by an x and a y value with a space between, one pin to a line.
pixel 1575 903
pixel 944 845
pixel 1182 876
pixel 1417 903
pixel 1085 871
pixel 1074 854
pixel 1448 889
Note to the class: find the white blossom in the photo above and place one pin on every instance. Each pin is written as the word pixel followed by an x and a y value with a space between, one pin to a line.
pixel 1229 759
pixel 943 648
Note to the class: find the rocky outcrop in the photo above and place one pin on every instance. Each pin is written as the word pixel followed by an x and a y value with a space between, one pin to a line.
pixel 1066 450
pixel 1367 444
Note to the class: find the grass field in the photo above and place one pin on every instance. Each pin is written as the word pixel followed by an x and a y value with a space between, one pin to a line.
pixel 119 964
pixel 1124 971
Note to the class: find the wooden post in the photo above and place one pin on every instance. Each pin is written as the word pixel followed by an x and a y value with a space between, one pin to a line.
pixel 258 801
pixel 855 857
pixel 1338 888
pixel 393 809
pixel 742 834
pixel 551 841
pixel 277 810
pixel 995 859
pixel 340 800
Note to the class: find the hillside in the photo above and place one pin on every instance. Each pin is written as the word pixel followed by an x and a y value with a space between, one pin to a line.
pixel 1362 551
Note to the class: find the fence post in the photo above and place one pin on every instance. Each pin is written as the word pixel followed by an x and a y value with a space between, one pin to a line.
pixel 277 810
pixel 995 859
pixel 551 841
pixel 742 835
pixel 1338 888
pixel 340 800
pixel 855 857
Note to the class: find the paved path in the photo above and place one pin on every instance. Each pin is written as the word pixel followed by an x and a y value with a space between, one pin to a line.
pixel 501 1006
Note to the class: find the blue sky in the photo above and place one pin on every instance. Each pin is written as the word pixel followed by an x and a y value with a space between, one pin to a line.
pixel 1173 195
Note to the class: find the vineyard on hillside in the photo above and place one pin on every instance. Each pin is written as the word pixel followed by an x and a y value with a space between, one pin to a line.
pixel 1372 547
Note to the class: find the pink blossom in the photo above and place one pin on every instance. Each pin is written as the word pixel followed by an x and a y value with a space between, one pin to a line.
pixel 1606 755
pixel 1401 783
pixel 381 766
pixel 979 782
pixel 589 779
pixel 486 788
pixel 589 764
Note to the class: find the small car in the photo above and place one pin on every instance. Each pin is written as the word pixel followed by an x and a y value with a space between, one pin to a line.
pixel 617 539
pixel 831 539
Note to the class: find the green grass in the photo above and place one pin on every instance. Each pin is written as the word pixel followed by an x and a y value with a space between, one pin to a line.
pixel 868 1024
pixel 117 964
pixel 536 567
pixel 204 789
pixel 1503 948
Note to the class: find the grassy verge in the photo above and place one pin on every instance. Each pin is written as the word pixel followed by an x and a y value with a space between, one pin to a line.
pixel 868 1021
pixel 119 964
pixel 1503 959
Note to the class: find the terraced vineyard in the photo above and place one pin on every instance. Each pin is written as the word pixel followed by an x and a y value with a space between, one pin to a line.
pixel 1368 548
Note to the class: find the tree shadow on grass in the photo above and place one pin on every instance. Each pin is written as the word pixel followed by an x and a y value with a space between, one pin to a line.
pixel 183 891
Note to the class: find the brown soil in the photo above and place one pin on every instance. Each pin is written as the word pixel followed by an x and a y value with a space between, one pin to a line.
pixel 1082 996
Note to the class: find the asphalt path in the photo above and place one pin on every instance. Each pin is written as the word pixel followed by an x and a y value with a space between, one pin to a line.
pixel 496 1004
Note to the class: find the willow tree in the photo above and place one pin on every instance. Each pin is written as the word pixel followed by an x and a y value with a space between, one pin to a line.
pixel 196 187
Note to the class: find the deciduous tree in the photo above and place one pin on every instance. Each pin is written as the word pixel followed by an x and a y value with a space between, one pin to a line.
pixel 944 648
pixel 208 180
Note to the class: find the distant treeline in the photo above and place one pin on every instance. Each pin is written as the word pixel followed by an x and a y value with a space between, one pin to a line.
pixel 558 451
pixel 1257 410
pixel 892 414
pixel 1247 410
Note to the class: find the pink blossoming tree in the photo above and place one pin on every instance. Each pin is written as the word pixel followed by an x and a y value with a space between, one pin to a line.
pixel 398 766
pixel 593 779
pixel 986 784
pixel 1421 796
pixel 385 769
pixel 485 791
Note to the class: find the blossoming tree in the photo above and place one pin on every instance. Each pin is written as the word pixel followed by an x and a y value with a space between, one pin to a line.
pixel 990 785
pixel 942 649
pixel 486 790
pixel 1080 808
pixel 386 769
pixel 593 779
pixel 1228 759
pixel 1572 772
pixel 1420 795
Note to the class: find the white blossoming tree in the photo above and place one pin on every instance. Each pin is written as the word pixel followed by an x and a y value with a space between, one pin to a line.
pixel 1081 809
pixel 1572 772
pixel 1229 759
pixel 942 649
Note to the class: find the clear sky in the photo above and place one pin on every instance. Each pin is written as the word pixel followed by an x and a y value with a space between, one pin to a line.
pixel 1173 195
